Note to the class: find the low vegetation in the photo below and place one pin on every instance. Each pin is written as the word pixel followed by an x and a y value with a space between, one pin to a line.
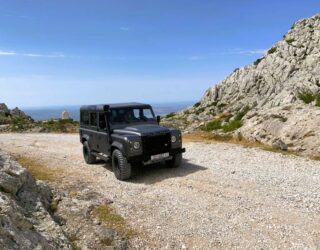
pixel 197 104
pixel 309 97
pixel 272 50
pixel 213 125
pixel 290 40
pixel 230 126
pixel 206 137
pixel 256 62
pixel 170 115
pixel 108 217
pixel 18 124
pixel 39 171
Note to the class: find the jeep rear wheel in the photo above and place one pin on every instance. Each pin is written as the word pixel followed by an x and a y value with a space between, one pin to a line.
pixel 175 162
pixel 87 155
pixel 121 167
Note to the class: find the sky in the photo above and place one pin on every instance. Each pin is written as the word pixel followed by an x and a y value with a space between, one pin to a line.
pixel 71 52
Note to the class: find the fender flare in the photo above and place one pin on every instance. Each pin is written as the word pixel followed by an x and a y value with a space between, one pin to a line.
pixel 85 138
pixel 118 146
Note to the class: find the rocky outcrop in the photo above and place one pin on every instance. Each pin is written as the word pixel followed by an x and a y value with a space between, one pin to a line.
pixel 279 92
pixel 7 116
pixel 25 216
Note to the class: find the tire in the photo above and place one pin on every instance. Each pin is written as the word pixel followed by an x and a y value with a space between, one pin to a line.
pixel 175 162
pixel 87 155
pixel 121 167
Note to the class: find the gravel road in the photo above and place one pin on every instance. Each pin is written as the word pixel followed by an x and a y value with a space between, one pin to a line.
pixel 224 196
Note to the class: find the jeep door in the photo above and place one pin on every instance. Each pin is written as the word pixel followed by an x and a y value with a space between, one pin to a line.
pixel 103 134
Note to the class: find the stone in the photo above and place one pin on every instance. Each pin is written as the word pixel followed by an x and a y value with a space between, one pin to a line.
pixel 26 221
pixel 65 115
pixel 4 109
pixel 279 144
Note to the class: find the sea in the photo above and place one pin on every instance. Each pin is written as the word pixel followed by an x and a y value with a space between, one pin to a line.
pixel 54 112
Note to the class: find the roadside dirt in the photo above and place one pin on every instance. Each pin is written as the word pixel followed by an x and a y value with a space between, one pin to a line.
pixel 223 196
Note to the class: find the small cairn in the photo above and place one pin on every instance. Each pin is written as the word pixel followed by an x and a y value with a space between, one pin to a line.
pixel 65 115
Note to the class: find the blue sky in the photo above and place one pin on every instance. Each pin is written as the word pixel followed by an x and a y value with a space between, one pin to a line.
pixel 81 52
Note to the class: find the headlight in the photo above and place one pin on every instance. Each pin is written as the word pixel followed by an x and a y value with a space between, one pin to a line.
pixel 136 145
pixel 173 139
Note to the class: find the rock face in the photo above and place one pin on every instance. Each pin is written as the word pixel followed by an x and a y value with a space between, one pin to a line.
pixel 4 109
pixel 26 222
pixel 279 92
pixel 6 115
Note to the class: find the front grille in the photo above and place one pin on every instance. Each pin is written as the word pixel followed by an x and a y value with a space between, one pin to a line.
pixel 156 144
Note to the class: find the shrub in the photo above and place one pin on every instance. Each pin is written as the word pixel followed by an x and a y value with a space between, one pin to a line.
pixel 172 114
pixel 231 126
pixel 318 100
pixel 221 105
pixel 257 61
pixel 242 113
pixel 272 50
pixel 213 125
pixel 306 96
pixel 290 40
pixel 197 104
pixel 200 110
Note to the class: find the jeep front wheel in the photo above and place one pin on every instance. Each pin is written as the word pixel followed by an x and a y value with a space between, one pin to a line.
pixel 121 167
pixel 175 162
pixel 87 155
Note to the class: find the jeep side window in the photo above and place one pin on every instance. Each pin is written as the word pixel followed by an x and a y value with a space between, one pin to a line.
pixel 102 121
pixel 84 118
pixel 147 114
pixel 93 119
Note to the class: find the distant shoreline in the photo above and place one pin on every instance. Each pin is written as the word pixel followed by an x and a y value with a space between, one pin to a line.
pixel 54 112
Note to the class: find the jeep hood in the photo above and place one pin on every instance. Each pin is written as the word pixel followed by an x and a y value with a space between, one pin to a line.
pixel 141 130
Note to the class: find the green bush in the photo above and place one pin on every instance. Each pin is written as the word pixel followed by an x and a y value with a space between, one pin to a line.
pixel 213 125
pixel 200 110
pixel 306 96
pixel 318 100
pixel 242 113
pixel 197 104
pixel 257 61
pixel 272 50
pixel 231 126
pixel 290 40
pixel 172 114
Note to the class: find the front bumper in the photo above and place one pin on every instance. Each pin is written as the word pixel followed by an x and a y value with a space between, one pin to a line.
pixel 147 158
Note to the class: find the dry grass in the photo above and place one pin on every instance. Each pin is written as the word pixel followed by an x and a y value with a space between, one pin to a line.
pixel 38 170
pixel 205 137
pixel 108 217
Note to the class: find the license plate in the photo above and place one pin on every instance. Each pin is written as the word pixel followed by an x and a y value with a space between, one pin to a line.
pixel 159 156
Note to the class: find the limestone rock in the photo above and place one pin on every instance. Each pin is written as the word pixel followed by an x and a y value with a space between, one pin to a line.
pixel 271 87
pixel 26 221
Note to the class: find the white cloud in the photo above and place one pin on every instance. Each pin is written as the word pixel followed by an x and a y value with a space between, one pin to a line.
pixel 13 53
pixel 124 28
pixel 248 52
pixel 7 53
pixel 44 55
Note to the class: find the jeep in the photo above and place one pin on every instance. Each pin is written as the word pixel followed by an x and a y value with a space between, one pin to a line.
pixel 129 135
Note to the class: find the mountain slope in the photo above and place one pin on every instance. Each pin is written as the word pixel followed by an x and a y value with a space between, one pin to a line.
pixel 273 101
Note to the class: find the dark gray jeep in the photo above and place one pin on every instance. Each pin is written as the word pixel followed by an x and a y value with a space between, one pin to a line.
pixel 129 134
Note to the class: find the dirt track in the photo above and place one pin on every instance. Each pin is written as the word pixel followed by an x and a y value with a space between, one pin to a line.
pixel 223 196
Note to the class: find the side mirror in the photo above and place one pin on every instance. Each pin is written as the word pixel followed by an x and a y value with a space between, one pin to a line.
pixel 158 118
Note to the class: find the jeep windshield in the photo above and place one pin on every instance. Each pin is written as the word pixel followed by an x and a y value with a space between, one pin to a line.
pixel 131 115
